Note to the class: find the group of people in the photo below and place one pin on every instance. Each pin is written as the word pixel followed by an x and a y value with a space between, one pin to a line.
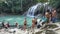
pixel 5 25
pixel 34 23
pixel 51 16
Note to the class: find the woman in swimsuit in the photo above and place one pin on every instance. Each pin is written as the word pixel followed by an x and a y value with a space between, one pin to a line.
pixel 25 23
pixel 35 21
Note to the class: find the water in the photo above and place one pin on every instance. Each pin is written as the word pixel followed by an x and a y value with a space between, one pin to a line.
pixel 16 18
pixel 19 19
pixel 33 9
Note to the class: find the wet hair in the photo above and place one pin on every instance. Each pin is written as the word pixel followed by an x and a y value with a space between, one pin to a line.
pixel 49 12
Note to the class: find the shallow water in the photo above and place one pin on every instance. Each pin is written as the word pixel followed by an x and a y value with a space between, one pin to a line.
pixel 15 18
pixel 19 19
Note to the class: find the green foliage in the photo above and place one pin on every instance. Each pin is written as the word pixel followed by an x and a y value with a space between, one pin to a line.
pixel 17 6
pixel 55 3
pixel 42 1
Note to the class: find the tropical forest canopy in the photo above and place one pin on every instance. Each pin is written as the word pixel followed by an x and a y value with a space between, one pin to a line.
pixel 21 6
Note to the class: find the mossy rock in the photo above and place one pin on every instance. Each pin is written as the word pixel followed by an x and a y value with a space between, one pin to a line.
pixel 51 26
pixel 50 32
pixel 39 32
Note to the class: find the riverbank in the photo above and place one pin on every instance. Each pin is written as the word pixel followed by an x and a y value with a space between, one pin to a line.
pixel 29 31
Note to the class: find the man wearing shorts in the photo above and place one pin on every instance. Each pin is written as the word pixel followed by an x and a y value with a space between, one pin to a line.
pixel 54 16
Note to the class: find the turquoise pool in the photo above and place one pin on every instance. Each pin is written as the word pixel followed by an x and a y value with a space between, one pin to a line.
pixel 17 18
pixel 14 18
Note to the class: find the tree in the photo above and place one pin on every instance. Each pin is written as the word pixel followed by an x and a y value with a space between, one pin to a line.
pixel 42 1
pixel 18 6
pixel 55 3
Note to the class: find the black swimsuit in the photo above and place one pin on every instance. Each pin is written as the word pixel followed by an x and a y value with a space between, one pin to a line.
pixel 24 24
pixel 36 22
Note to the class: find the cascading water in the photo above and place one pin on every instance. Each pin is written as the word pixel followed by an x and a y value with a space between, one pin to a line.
pixel 33 9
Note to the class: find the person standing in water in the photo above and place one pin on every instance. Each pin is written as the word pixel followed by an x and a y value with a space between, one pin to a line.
pixel 3 24
pixel 25 24
pixel 54 15
pixel 8 25
pixel 35 21
pixel 16 24
pixel 33 24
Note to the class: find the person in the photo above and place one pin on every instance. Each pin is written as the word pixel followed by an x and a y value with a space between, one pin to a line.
pixel 16 24
pixel 8 24
pixel 47 15
pixel 53 15
pixel 47 19
pixel 33 25
pixel 25 24
pixel 3 24
pixel 35 21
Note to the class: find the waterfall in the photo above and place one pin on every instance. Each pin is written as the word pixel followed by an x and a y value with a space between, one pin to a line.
pixel 31 11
